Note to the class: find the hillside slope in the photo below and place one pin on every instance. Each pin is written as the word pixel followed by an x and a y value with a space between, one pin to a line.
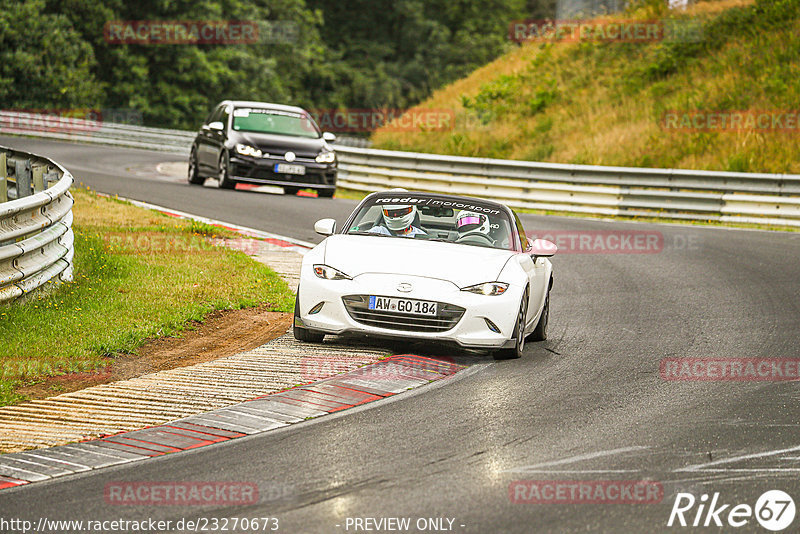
pixel 608 103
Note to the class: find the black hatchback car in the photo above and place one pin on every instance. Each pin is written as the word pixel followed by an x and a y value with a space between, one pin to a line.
pixel 265 144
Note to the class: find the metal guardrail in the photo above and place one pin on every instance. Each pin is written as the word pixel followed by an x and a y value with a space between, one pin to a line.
pixel 641 192
pixel 36 239
pixel 586 189
pixel 72 129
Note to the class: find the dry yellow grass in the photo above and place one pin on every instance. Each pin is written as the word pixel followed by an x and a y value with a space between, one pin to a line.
pixel 712 7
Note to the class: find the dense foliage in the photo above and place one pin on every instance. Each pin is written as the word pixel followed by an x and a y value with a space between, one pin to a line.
pixel 358 54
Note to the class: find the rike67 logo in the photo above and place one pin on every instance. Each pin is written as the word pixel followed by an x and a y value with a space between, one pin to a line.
pixel 774 510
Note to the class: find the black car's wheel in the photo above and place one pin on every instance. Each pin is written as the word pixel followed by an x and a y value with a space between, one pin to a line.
pixel 194 173
pixel 300 333
pixel 291 190
pixel 540 332
pixel 223 178
pixel 519 334
pixel 325 193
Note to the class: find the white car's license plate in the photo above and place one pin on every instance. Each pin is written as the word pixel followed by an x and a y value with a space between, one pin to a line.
pixel 412 307
pixel 285 168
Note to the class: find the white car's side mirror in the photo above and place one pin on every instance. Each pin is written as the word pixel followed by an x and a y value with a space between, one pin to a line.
pixel 542 248
pixel 329 137
pixel 325 226
pixel 216 125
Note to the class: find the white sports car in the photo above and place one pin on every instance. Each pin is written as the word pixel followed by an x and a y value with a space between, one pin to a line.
pixel 427 267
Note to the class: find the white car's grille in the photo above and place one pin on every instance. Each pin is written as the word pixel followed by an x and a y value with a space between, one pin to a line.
pixel 447 317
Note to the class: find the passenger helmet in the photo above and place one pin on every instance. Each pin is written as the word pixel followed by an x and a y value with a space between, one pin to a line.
pixel 469 222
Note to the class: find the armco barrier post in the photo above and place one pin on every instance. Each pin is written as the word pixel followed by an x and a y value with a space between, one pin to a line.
pixel 3 178
pixel 50 178
pixel 38 179
pixel 22 174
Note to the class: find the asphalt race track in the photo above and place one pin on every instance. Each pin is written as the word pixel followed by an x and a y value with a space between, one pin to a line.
pixel 589 404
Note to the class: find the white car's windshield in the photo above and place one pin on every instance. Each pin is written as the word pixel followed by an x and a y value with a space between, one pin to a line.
pixel 437 218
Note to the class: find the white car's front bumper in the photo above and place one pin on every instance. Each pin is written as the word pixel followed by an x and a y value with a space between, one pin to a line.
pixel 471 330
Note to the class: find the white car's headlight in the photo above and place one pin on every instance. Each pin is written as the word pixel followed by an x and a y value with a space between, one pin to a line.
pixel 326 157
pixel 247 150
pixel 329 273
pixel 487 288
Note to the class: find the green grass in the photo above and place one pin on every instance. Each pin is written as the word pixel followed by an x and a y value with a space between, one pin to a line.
pixel 138 275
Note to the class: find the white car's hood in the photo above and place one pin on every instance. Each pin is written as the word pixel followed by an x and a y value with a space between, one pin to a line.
pixel 464 265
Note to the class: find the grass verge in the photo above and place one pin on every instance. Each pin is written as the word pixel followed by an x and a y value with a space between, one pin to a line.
pixel 138 275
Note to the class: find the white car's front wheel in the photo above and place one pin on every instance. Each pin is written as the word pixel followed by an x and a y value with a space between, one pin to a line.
pixel 540 332
pixel 300 333
pixel 519 334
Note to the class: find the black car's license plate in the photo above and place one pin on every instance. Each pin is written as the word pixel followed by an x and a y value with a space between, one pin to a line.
pixel 285 168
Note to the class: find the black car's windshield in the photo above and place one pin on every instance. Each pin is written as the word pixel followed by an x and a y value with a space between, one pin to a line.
pixel 274 121
pixel 434 218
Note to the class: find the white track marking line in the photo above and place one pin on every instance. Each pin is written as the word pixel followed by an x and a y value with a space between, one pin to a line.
pixel 698 467
pixel 751 470
pixel 578 458
pixel 716 479
pixel 582 471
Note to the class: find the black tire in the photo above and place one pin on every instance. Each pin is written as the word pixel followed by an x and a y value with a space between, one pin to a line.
pixel 540 332
pixel 303 334
pixel 325 193
pixel 519 334
pixel 223 178
pixel 194 172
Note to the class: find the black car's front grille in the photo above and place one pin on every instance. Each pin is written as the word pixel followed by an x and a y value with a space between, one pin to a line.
pixel 266 174
pixel 446 318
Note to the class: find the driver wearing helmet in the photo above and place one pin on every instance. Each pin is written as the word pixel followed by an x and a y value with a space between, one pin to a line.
pixel 398 219
pixel 471 223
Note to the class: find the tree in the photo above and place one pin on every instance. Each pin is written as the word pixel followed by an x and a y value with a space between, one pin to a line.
pixel 44 62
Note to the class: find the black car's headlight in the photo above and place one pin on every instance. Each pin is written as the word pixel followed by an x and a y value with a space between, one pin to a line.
pixel 487 288
pixel 329 273
pixel 247 150
pixel 326 157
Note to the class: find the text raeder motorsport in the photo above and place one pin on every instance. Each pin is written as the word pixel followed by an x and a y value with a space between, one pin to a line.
pixel 438 203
